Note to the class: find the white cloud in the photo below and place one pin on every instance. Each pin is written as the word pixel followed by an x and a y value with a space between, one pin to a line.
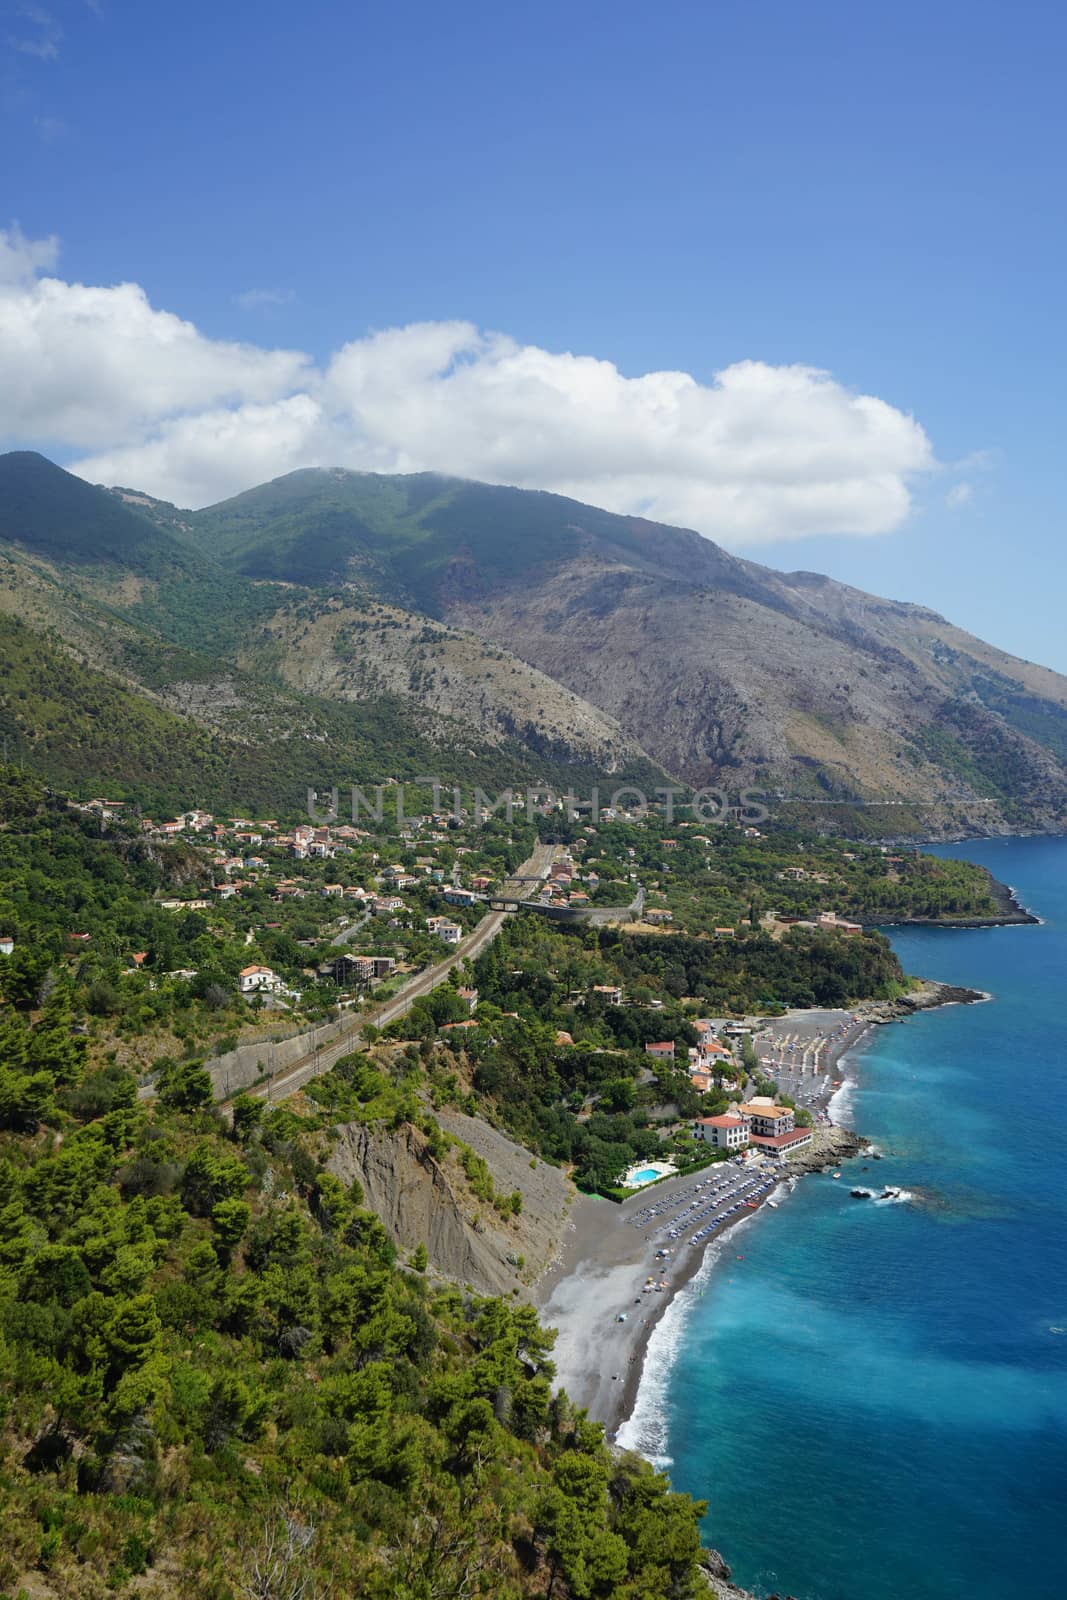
pixel 759 453
pixel 45 42
pixel 21 259
pixel 263 299
pixel 960 494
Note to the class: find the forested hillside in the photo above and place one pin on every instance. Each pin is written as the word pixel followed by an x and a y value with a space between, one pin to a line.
pixel 212 1366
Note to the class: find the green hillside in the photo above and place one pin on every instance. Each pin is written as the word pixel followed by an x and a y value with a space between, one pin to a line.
pixel 208 1347
pixel 410 537
pixel 52 513
pixel 86 730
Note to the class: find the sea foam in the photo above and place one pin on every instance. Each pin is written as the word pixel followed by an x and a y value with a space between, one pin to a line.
pixel 645 1430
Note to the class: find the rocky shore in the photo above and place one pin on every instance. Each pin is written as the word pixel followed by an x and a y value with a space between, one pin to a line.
pixel 925 995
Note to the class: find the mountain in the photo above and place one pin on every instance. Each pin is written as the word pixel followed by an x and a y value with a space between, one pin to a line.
pixel 405 623
pixel 724 671
pixel 131 655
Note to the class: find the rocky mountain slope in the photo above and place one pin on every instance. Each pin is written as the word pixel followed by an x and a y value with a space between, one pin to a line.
pixel 724 671
pixel 176 666
pixel 538 630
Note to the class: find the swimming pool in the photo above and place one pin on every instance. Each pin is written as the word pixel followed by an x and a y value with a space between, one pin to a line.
pixel 646 1175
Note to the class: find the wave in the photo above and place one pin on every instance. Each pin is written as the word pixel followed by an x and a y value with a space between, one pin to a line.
pixel 645 1430
pixel 839 1107
pixel 899 1197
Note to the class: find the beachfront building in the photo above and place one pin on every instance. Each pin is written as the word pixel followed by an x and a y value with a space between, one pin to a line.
pixel 725 1133
pixel 773 1128
pixel 768 1119
pixel 781 1144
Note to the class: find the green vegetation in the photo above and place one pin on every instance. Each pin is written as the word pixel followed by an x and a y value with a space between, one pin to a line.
pixel 714 877
pixel 601 1102
pixel 82 729
pixel 207 1346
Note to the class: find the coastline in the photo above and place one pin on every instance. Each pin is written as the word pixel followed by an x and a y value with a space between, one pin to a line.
pixel 600 1272
pixel 1010 912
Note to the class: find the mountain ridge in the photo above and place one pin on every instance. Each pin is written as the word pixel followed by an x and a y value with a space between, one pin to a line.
pixel 721 669
pixel 626 641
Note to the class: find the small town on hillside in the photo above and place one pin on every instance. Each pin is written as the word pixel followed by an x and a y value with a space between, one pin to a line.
pixel 261 928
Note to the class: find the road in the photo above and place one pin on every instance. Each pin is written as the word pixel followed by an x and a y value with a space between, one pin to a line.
pixel 346 934
pixel 320 1059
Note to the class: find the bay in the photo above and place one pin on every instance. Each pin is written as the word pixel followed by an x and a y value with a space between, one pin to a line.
pixel 874 1399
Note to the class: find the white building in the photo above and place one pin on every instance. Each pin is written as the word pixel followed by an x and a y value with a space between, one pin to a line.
pixel 259 980
pixel 725 1132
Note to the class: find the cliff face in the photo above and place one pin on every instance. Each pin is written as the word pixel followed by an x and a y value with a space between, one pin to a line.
pixel 425 1201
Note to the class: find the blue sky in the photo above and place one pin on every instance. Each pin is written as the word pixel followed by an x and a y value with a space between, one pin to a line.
pixel 871 191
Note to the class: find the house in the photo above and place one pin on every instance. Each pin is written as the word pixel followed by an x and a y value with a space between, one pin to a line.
pixel 7 944
pixel 664 1051
pixel 657 914
pixel 386 904
pixel 724 933
pixel 138 958
pixel 460 897
pixel 836 924
pixel 670 844
pixel 333 890
pixel 481 882
pixel 577 898
pixel 563 1037
pixel 713 1054
pixel 470 998
pixel 768 1120
pixel 610 992
pixel 450 932
pixel 726 1132
pixel 259 980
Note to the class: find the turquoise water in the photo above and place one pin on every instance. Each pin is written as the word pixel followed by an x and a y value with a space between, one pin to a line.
pixel 874 1400
pixel 646 1175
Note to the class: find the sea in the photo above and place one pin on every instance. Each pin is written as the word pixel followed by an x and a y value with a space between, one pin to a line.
pixel 872 1395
